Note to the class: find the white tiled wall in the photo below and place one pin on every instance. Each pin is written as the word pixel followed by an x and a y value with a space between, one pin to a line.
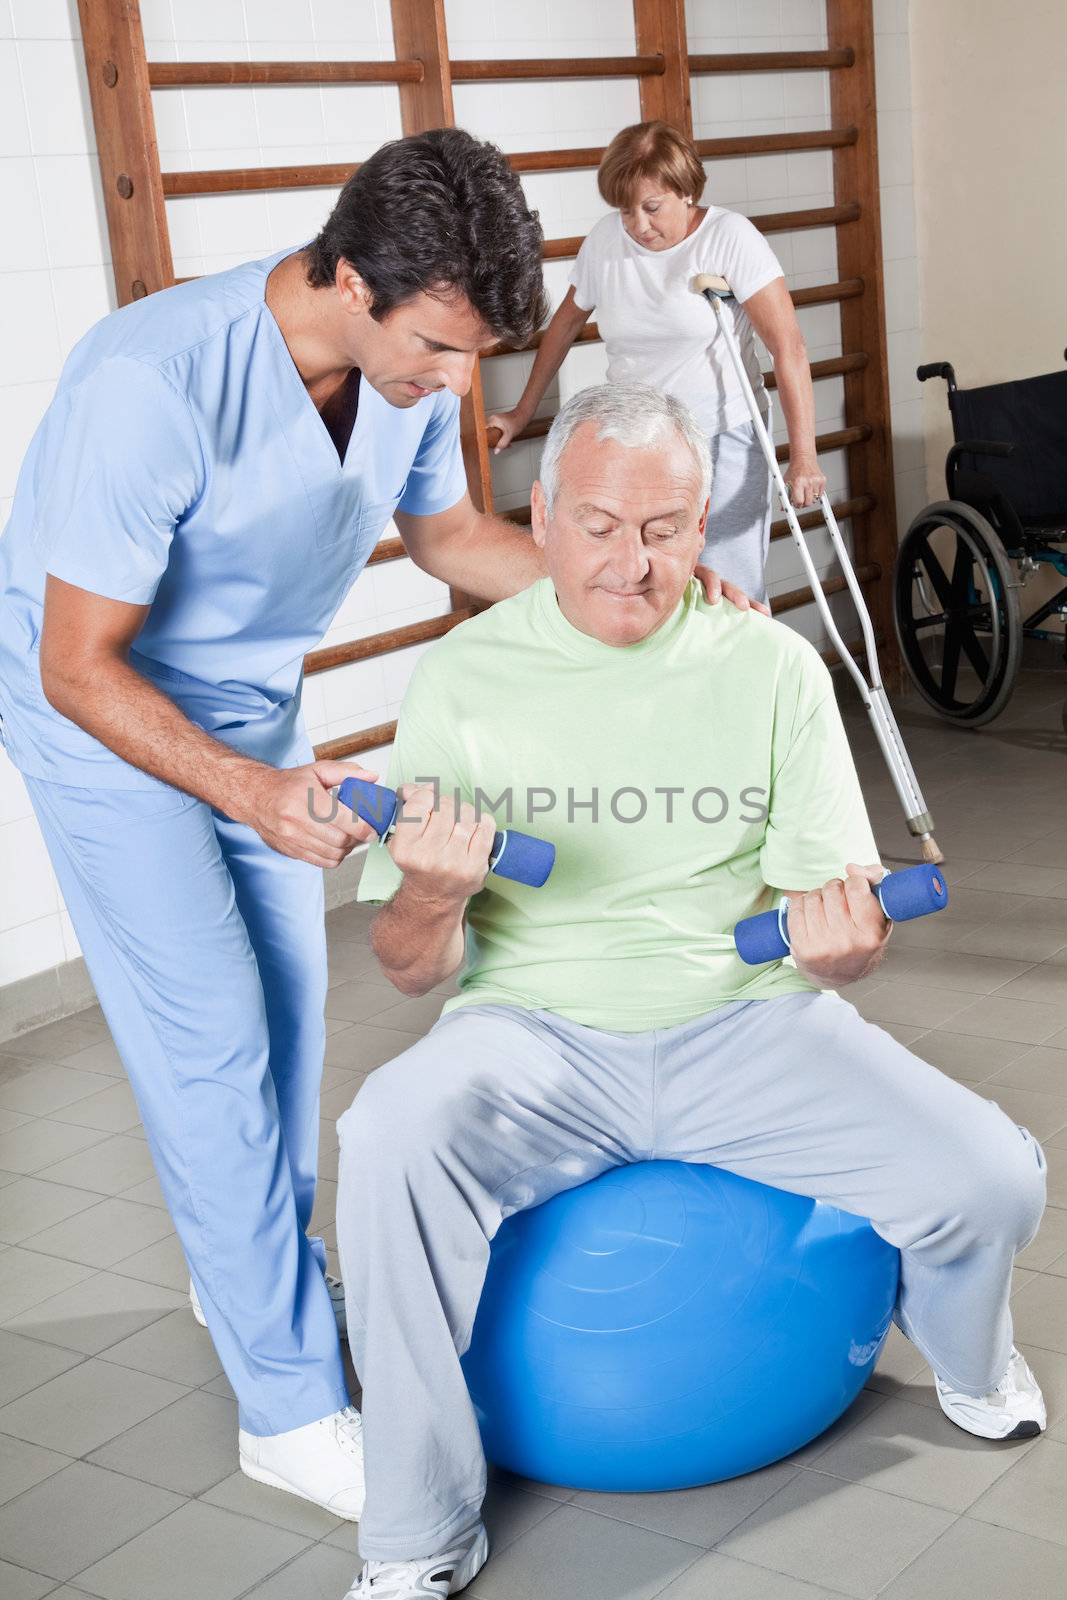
pixel 55 276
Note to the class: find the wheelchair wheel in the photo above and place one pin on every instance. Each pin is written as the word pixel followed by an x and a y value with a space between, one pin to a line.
pixel 956 610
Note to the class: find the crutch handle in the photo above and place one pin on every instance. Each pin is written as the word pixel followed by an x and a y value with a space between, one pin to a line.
pixel 517 856
pixel 711 283
pixel 915 892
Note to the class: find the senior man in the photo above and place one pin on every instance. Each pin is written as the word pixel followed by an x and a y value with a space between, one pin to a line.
pixel 688 763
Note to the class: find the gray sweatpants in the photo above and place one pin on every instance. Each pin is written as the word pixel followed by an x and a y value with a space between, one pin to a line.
pixel 499 1108
pixel 739 517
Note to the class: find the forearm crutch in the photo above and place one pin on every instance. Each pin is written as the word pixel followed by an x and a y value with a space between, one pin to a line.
pixel 715 290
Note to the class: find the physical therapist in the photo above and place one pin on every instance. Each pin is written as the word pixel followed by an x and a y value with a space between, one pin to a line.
pixel 217 464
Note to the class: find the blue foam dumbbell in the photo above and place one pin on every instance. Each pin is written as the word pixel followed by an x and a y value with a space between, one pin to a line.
pixel 517 856
pixel 915 892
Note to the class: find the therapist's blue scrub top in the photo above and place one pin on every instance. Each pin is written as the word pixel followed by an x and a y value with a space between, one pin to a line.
pixel 183 465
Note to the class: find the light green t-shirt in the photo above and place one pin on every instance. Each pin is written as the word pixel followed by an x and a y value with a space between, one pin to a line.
pixel 715 758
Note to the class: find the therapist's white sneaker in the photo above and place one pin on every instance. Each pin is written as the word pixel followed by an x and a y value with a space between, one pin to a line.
pixel 337 1299
pixel 446 1573
pixel 1015 1409
pixel 322 1462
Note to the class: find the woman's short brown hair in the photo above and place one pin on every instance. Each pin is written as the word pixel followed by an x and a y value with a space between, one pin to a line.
pixel 649 150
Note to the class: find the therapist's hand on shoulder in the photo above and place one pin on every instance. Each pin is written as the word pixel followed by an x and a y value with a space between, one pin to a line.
pixel 838 934
pixel 716 589
pixel 294 812
pixel 442 850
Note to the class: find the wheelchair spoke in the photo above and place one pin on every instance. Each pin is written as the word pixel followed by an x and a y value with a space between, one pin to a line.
pixel 960 631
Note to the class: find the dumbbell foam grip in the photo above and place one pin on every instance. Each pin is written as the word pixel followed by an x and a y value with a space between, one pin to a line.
pixel 517 856
pixel 915 892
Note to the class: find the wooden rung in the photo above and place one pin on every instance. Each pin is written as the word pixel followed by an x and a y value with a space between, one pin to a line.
pixel 181 74
pixel 540 67
pixel 380 644
pixel 773 61
pixel 241 180
pixel 560 249
pixel 386 732
pixel 354 744
pixel 760 144
pixel 816 217
pixel 813 518
pixel 770 222
pixel 855 647
pixel 824 442
pixel 821 294
pixel 587 335
pixel 779 530
pixel 751 144
pixel 801 597
pixel 831 368
pixel 331 174
pixel 387 550
pixel 383 733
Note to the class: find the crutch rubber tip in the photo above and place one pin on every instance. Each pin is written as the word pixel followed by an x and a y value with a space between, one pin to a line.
pixel 930 851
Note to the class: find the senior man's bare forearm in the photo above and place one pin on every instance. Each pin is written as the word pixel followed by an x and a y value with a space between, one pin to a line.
pixel 418 940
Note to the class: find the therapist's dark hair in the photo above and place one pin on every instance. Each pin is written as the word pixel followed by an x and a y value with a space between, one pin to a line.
pixel 438 211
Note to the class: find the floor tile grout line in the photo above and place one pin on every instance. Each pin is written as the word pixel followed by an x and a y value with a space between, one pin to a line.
pixel 919 1556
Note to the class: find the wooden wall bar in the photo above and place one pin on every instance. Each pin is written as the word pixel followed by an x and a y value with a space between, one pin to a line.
pixel 126 144
pixel 859 252
pixel 330 174
pixel 773 61
pixel 659 27
pixel 554 68
pixel 120 83
pixel 183 74
pixel 419 33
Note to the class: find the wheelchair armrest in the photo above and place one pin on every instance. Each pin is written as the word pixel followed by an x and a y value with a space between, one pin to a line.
pixel 937 369
pixel 980 447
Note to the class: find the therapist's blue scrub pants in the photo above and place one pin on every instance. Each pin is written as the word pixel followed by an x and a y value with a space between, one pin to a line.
pixel 208 953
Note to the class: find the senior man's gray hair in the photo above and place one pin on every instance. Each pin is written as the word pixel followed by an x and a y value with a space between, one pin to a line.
pixel 635 415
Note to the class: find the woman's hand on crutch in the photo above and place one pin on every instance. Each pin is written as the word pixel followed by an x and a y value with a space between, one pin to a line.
pixel 805 481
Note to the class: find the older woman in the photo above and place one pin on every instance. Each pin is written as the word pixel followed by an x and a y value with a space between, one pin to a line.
pixel 634 270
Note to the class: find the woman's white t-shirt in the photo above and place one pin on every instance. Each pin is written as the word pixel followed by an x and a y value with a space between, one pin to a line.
pixel 656 331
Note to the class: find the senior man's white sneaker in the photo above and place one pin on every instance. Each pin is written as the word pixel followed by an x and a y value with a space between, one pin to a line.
pixel 1015 1409
pixel 446 1573
pixel 337 1299
pixel 322 1462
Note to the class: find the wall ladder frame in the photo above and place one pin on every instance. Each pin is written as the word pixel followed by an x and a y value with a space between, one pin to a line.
pixel 135 191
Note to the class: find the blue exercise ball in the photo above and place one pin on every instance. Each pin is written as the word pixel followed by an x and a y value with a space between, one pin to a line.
pixel 671 1324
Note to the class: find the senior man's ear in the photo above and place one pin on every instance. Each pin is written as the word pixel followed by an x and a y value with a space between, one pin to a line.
pixel 703 523
pixel 538 514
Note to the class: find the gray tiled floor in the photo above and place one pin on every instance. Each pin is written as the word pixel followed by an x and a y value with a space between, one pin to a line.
pixel 118 1471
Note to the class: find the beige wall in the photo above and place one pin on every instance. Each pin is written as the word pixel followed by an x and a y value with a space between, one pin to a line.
pixel 990 145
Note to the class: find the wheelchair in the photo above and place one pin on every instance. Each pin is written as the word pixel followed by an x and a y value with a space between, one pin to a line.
pixel 964 561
